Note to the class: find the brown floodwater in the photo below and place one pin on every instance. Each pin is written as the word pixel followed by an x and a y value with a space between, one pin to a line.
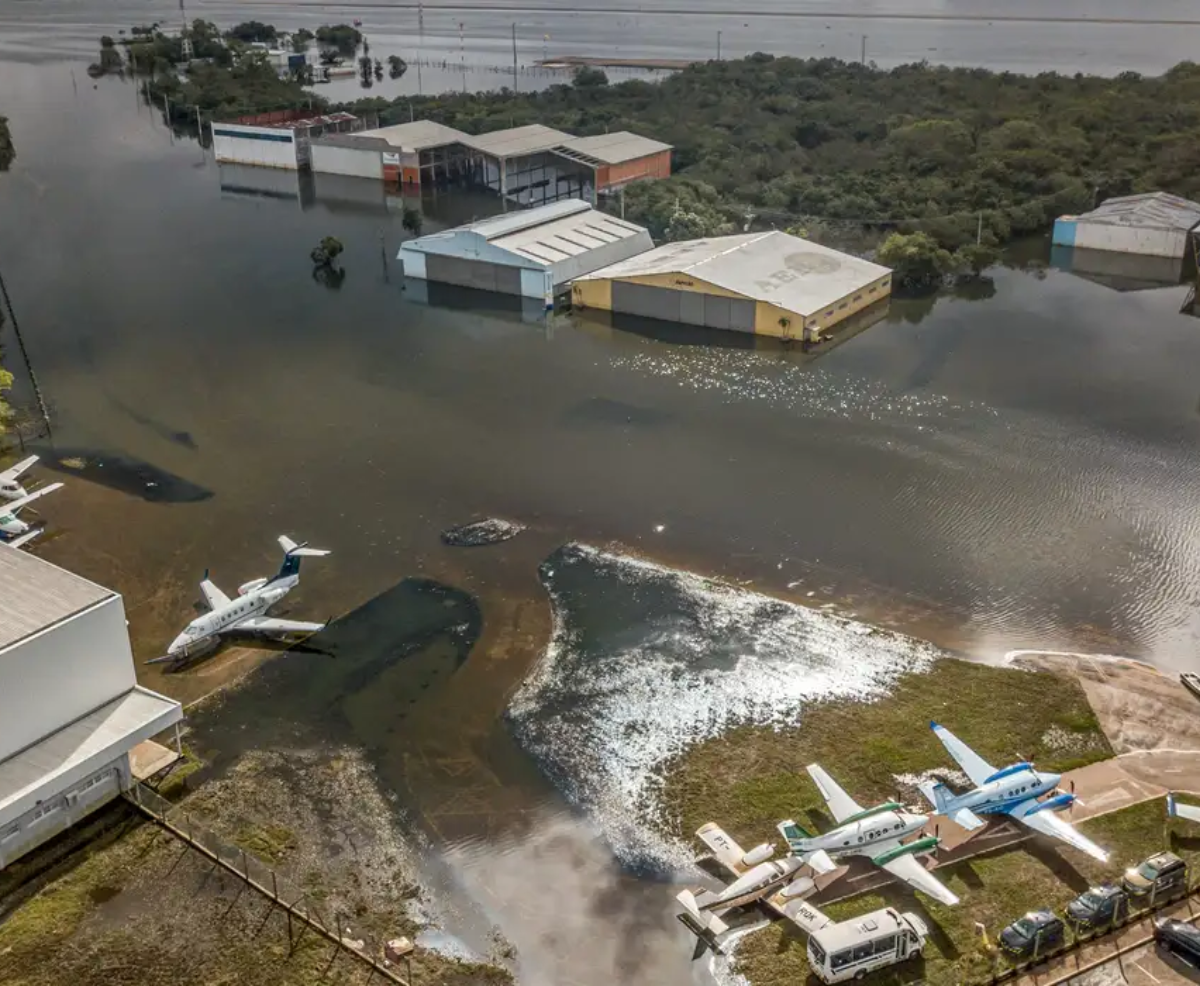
pixel 993 470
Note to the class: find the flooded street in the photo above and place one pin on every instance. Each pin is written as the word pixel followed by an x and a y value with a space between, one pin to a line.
pixel 1015 471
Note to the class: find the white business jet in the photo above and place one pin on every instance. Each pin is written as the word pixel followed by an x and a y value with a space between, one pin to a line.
pixel 13 531
pixel 246 613
pixel 10 485
pixel 875 833
pixel 1015 791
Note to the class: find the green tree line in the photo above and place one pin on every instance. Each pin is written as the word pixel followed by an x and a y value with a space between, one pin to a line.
pixel 916 148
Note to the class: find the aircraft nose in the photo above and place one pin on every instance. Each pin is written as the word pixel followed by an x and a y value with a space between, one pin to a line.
pixel 178 645
pixel 1052 779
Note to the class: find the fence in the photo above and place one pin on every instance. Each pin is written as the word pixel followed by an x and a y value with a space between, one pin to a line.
pixel 302 912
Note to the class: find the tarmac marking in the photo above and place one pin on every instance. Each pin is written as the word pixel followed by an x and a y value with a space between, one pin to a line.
pixel 1147 972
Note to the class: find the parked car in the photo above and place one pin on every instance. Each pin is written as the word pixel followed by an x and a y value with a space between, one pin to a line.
pixel 1159 876
pixel 1098 906
pixel 1180 937
pixel 1037 932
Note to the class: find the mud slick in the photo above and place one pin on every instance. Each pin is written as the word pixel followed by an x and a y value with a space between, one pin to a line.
pixel 123 473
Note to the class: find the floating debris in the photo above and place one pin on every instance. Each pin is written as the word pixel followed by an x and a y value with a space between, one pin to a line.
pixel 481 532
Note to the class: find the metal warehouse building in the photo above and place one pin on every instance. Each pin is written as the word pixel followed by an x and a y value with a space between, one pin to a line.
pixel 529 165
pixel 281 139
pixel 71 710
pixel 1154 224
pixel 770 284
pixel 533 254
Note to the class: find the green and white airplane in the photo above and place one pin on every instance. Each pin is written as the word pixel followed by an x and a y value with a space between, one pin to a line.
pixel 877 833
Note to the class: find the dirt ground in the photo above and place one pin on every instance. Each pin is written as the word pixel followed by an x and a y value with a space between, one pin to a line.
pixel 1139 708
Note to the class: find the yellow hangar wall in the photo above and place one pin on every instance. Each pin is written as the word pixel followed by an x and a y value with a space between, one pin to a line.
pixel 769 320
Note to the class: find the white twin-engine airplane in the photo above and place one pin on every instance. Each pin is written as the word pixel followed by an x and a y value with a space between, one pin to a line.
pixel 876 833
pixel 757 877
pixel 245 614
pixel 13 531
pixel 1014 791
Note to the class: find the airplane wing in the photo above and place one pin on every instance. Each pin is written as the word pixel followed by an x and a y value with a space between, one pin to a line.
pixel 723 846
pixel 973 765
pixel 839 802
pixel 25 501
pixel 910 870
pixel 267 624
pixel 212 595
pixel 13 472
pixel 1050 823
pixel 25 538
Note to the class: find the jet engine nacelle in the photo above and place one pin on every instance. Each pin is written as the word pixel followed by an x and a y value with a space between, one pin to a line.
pixel 759 854
pixel 1060 802
pixel 251 586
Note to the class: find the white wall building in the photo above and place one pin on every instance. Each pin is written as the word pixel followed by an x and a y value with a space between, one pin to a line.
pixel 1155 224
pixel 70 706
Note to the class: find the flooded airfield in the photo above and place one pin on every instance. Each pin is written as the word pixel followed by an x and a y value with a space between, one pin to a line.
pixel 1015 470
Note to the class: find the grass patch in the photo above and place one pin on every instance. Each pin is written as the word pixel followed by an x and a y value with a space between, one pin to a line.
pixel 175 784
pixel 994 889
pixel 752 776
pixel 270 843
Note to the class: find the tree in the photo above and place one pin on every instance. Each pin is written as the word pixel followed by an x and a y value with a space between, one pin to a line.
pixel 301 39
pixel 378 70
pixel 397 66
pixel 7 151
pixel 341 37
pixel 364 72
pixel 250 32
pixel 326 253
pixel 6 382
pixel 976 257
pixel 916 260
pixel 412 221
pixel 589 78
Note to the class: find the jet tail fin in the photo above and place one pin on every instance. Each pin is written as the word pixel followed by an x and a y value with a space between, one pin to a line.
pixel 292 553
pixel 795 835
pixel 706 926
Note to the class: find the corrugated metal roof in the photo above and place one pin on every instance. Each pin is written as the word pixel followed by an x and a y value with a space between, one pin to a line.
pixel 570 236
pixel 66 757
pixel 784 270
pixel 362 142
pixel 1156 210
pixel 614 148
pixel 35 595
pixel 418 135
pixel 510 222
pixel 517 141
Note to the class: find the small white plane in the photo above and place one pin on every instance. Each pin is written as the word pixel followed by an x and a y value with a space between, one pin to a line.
pixel 246 613
pixel 1176 810
pixel 1014 791
pixel 10 485
pixel 876 833
pixel 14 531
pixel 757 877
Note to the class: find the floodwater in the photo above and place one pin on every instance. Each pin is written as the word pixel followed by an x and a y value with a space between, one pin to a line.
pixel 1002 469
pixel 465 43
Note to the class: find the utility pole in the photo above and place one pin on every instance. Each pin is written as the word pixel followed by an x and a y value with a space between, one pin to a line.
pixel 718 46
pixel 863 54
pixel 462 54
pixel 979 231
pixel 420 44
pixel 516 88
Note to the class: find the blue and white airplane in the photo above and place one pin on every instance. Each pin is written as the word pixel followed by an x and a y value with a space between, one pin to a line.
pixel 1015 791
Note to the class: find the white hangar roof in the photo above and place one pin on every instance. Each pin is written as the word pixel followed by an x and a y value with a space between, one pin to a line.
pixel 774 267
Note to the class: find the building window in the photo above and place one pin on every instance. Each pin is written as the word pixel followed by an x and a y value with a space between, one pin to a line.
pixel 858 297
pixel 871 290
pixel 886 282
pixel 843 305
pixel 828 313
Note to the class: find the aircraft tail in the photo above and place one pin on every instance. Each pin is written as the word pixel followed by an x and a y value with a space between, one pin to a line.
pixel 703 924
pixel 938 795
pixel 796 836
pixel 292 553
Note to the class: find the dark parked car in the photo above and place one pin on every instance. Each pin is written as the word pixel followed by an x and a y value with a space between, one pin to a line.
pixel 1179 937
pixel 1037 932
pixel 1161 875
pixel 1098 906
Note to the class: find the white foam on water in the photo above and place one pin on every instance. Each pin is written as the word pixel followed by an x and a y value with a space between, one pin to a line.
pixel 741 376
pixel 603 711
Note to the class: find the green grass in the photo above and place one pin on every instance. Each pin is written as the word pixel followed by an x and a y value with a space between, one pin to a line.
pixel 751 777
pixel 994 889
pixel 270 843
